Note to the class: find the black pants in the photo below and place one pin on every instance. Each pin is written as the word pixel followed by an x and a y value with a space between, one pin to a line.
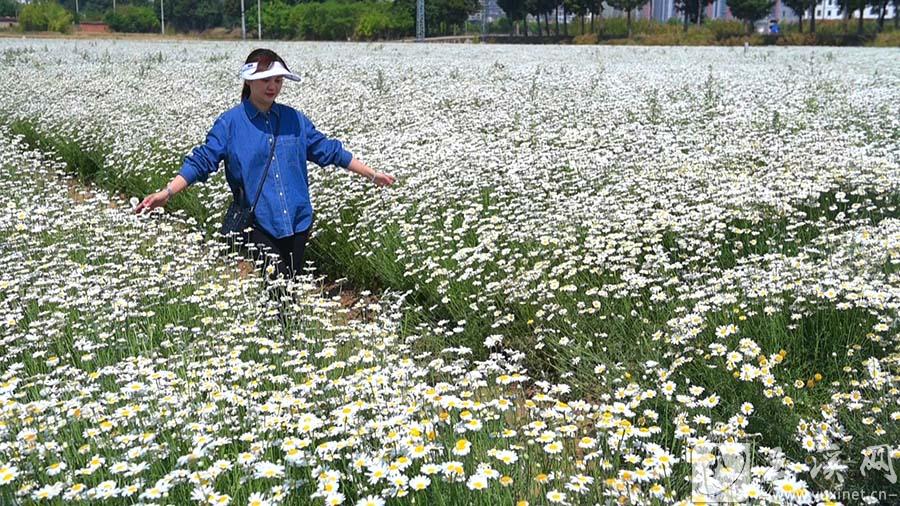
pixel 285 254
pixel 280 258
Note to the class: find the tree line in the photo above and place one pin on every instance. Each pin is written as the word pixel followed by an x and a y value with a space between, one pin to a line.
pixel 311 19
pixel 691 11
pixel 372 19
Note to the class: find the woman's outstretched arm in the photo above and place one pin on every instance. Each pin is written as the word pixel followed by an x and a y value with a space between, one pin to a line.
pixel 377 177
pixel 161 197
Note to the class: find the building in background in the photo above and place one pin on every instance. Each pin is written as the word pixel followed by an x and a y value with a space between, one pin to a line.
pixel 829 9
pixel 490 10
pixel 93 27
pixel 664 10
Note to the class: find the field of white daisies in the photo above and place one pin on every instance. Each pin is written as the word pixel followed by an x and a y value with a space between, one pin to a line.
pixel 602 269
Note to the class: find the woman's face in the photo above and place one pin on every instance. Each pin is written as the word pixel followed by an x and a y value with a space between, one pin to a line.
pixel 264 91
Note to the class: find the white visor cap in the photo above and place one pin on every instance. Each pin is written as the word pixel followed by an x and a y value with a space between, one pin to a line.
pixel 249 73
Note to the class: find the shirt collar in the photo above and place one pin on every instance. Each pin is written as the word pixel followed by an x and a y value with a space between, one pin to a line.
pixel 253 112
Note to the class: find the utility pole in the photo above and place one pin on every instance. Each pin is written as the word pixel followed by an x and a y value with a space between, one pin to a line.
pixel 162 16
pixel 420 20
pixel 114 5
pixel 243 23
pixel 484 17
pixel 259 18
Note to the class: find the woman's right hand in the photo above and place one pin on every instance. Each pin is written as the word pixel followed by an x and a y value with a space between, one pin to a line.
pixel 153 201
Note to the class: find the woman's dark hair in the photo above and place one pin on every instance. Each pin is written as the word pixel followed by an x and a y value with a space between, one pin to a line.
pixel 263 59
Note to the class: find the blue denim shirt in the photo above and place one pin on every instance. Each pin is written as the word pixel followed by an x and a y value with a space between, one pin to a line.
pixel 242 137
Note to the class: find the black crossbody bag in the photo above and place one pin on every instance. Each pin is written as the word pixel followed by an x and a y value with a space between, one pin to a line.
pixel 239 218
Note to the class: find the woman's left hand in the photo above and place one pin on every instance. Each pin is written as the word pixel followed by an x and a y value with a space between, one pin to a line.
pixel 383 179
pixel 375 176
pixel 153 201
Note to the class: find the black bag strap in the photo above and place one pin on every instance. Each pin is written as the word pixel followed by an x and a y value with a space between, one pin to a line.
pixel 268 163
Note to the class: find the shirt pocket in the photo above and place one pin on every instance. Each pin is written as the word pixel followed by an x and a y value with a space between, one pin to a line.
pixel 289 139
pixel 288 150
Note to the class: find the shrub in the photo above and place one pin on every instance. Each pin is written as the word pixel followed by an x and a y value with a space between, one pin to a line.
pixel 336 21
pixel 887 39
pixel 586 39
pixel 45 16
pixel 374 23
pixel 342 21
pixel 836 29
pixel 277 20
pixel 133 19
pixel 303 19
pixel 614 28
pixel 502 25
pixel 722 29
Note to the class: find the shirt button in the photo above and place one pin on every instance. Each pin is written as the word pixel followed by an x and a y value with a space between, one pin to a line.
pixel 285 211
pixel 270 140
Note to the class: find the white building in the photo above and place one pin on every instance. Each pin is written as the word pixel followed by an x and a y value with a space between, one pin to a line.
pixel 664 10
pixel 829 9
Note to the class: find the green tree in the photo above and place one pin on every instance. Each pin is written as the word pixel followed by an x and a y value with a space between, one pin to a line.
pixel 798 6
pixel 335 21
pixel 579 8
pixel 596 9
pixel 374 22
pixel 692 10
pixel 537 8
pixel 812 16
pixel 750 10
pixel 455 12
pixel 531 7
pixel 45 16
pixel 132 19
pixel 627 6
pixel 194 15
pixel 851 6
pixel 84 6
pixel 440 15
pixel 276 20
pixel 545 7
pixel 515 10
pixel 882 11
pixel 231 13
pixel 9 8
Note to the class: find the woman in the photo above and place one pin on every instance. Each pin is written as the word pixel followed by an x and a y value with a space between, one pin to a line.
pixel 243 136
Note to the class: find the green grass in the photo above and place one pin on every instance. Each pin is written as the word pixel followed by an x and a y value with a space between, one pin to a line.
pixel 867 207
pixel 744 237
pixel 92 167
pixel 788 235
